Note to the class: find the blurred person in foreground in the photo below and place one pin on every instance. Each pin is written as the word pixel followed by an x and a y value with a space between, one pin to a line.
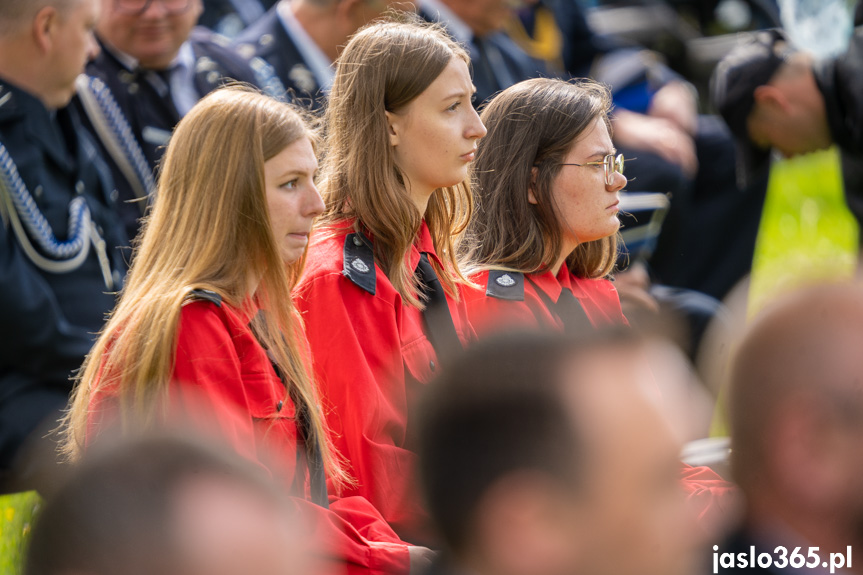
pixel 776 97
pixel 59 262
pixel 206 332
pixel 537 458
pixel 796 415
pixel 170 506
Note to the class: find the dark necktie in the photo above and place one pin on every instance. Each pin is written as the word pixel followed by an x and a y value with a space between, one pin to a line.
pixel 160 80
pixel 436 316
pixel 571 312
pixel 567 308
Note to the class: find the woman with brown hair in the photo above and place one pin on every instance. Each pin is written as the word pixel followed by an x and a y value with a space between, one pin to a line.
pixel 381 294
pixel 543 238
pixel 206 333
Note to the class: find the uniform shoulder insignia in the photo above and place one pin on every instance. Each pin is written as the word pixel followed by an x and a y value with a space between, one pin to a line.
pixel 203 295
pixel 505 285
pixel 359 262
pixel 246 51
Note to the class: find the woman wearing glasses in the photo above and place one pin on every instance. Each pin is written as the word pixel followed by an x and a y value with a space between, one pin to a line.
pixel 544 234
pixel 543 238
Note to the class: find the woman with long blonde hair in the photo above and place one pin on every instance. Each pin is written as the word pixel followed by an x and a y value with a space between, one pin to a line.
pixel 380 295
pixel 206 330
pixel 543 238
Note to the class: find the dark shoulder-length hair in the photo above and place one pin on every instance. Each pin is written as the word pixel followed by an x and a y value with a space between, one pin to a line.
pixel 533 124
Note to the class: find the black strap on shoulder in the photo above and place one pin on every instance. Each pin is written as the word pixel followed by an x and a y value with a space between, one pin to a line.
pixel 568 309
pixel 505 285
pixel 359 262
pixel 205 295
pixel 312 451
pixel 440 328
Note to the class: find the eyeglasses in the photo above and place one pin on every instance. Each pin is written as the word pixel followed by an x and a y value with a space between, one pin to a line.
pixel 137 7
pixel 613 164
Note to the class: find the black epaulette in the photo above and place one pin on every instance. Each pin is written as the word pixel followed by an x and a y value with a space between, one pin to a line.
pixel 203 294
pixel 359 262
pixel 505 285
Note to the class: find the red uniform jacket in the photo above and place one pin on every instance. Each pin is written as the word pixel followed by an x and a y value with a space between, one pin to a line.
pixel 371 358
pixel 225 384
pixel 527 309
pixel 514 302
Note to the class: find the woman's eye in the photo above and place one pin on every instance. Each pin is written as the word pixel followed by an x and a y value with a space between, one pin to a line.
pixel 291 185
pixel 454 107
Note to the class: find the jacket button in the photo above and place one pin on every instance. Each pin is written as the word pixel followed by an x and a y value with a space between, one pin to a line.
pixel 431 365
pixel 279 405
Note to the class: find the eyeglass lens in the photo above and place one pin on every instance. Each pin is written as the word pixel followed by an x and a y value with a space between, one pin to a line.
pixel 613 164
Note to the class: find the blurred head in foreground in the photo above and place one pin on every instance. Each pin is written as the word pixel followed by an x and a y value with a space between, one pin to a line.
pixel 796 406
pixel 168 506
pixel 539 458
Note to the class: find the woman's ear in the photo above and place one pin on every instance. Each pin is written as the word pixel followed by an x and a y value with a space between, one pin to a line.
pixel 393 128
pixel 531 197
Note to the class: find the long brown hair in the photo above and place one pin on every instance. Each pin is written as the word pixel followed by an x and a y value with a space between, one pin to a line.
pixel 532 124
pixel 383 68
pixel 209 229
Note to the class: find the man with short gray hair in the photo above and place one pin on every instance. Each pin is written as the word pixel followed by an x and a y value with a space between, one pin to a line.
pixel 301 39
pixel 58 259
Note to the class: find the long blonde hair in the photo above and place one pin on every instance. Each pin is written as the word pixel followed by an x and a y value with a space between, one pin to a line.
pixel 383 68
pixel 209 229
pixel 533 124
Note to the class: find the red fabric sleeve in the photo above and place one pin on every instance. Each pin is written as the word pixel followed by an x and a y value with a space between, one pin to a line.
pixel 713 498
pixel 213 392
pixel 360 363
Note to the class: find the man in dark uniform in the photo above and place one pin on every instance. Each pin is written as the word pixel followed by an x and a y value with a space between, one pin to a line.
pixel 301 39
pixel 158 65
pixel 774 96
pixel 497 61
pixel 59 261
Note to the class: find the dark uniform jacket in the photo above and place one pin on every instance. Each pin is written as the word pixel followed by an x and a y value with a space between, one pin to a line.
pixel 497 63
pixel 268 39
pixel 840 81
pixel 49 319
pixel 152 115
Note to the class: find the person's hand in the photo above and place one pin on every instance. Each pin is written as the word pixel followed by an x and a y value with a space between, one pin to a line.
pixel 657 135
pixel 633 287
pixel 676 103
pixel 421 559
